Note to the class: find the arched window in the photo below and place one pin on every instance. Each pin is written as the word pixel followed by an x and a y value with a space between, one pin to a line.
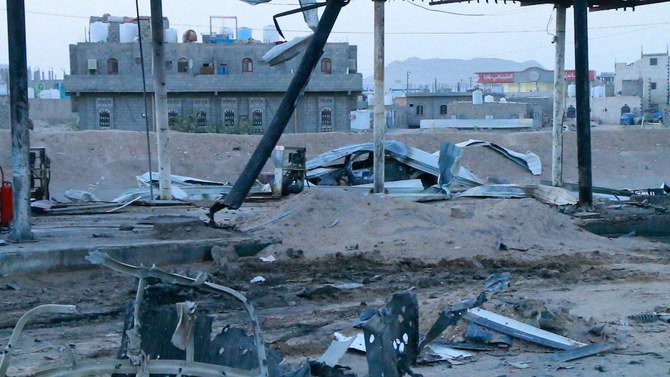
pixel 257 122
pixel 443 109
pixel 247 65
pixel 419 110
pixel 173 115
pixel 326 66
pixel 201 118
pixel 104 119
pixel 182 65
pixel 229 118
pixel 112 66
pixel 326 120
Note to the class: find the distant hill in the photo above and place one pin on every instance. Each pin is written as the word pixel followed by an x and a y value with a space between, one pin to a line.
pixel 447 72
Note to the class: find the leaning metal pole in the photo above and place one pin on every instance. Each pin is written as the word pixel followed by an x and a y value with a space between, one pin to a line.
pixel 379 118
pixel 583 102
pixel 18 107
pixel 160 100
pixel 286 108
pixel 559 99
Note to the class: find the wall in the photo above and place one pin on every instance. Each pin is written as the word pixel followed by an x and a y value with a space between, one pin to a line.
pixel 53 111
pixel 510 110
pixel 608 109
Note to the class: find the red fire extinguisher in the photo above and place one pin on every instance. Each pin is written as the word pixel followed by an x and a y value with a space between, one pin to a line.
pixel 6 207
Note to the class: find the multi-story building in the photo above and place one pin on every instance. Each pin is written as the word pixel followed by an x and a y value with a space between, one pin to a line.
pixel 212 87
pixel 646 78
pixel 532 81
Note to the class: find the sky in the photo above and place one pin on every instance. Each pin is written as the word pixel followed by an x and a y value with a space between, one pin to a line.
pixel 413 29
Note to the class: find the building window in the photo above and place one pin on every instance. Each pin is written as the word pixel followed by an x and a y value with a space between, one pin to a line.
pixel 653 61
pixel 419 110
pixel 229 119
pixel 652 85
pixel 223 69
pixel 257 122
pixel 326 120
pixel 173 117
pixel 247 65
pixel 112 66
pixel 443 109
pixel 168 65
pixel 201 118
pixel 207 69
pixel 326 66
pixel 104 119
pixel 182 65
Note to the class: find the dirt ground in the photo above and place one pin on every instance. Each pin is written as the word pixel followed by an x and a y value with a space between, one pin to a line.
pixel 444 251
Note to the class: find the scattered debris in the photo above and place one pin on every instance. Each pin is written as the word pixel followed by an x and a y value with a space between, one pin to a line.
pixel 581 352
pixel 328 290
pixel 79 196
pixel 523 365
pixel 269 258
pixel 497 282
pixel 519 330
pixel 12 286
pixel 257 279
pixel 646 316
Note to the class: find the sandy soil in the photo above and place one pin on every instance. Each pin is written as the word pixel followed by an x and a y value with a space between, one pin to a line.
pixel 106 163
pixel 443 250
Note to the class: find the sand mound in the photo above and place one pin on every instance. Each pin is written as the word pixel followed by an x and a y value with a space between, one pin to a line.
pixel 326 221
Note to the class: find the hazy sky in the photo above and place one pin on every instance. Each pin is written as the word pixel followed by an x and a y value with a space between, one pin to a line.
pixel 481 30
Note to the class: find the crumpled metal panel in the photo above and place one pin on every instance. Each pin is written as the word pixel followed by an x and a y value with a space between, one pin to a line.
pixel 529 160
pixel 392 336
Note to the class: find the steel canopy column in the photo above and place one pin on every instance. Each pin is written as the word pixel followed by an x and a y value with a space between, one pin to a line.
pixel 559 99
pixel 583 102
pixel 286 108
pixel 379 118
pixel 18 107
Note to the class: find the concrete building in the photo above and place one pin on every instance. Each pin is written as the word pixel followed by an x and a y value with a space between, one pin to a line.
pixel 532 81
pixel 212 87
pixel 646 78
pixel 431 105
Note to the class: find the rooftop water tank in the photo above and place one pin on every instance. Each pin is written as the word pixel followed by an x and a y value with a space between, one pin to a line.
pixel 388 100
pixel 244 33
pixel 488 98
pixel 477 97
pixel 127 33
pixel 171 36
pixel 503 100
pixel 98 32
pixel 270 35
pixel 572 90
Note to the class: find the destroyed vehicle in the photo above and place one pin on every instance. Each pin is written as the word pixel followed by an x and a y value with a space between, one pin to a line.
pixel 352 165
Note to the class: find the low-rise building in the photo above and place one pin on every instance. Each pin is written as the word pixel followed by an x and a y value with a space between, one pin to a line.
pixel 648 78
pixel 212 87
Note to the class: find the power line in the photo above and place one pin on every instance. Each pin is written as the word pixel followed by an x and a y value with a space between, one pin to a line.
pixel 359 32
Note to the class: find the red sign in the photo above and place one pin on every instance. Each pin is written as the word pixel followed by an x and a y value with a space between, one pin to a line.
pixel 570 75
pixel 496 77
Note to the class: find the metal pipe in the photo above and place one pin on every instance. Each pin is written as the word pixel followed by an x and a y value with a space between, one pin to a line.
pixel 160 100
pixel 379 118
pixel 286 108
pixel 18 108
pixel 559 99
pixel 583 102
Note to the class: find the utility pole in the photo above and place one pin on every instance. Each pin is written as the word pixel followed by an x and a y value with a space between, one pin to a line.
pixel 559 99
pixel 583 103
pixel 160 100
pixel 407 84
pixel 18 108
pixel 379 118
